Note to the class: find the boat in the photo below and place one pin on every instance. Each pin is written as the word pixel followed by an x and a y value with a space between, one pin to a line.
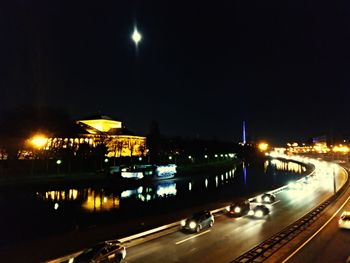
pixel 144 171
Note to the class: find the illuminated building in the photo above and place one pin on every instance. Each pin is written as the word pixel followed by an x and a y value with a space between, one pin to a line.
pixel 97 130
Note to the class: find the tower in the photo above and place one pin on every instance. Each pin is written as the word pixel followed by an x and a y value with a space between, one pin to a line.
pixel 244 133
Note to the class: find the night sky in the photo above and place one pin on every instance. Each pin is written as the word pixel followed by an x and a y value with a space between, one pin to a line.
pixel 201 69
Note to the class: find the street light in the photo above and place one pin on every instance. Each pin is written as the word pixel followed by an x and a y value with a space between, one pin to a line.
pixel 38 141
pixel 58 162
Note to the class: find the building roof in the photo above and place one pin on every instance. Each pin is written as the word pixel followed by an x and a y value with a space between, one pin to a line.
pixel 97 117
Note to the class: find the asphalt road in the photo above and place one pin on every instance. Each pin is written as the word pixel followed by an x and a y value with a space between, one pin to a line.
pixel 329 243
pixel 231 237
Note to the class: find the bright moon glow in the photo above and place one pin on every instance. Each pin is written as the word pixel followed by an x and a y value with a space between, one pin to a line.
pixel 136 36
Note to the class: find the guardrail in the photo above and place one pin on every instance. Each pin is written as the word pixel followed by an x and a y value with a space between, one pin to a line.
pixel 168 226
pixel 265 249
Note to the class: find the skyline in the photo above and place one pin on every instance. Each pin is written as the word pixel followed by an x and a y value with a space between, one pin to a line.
pixel 200 69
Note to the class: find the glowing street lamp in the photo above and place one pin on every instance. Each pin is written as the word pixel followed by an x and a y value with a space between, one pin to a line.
pixel 263 146
pixel 58 162
pixel 38 141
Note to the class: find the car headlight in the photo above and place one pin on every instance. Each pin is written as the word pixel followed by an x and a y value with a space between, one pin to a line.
pixel 124 252
pixel 237 209
pixel 228 208
pixel 258 213
pixel 250 213
pixel 259 199
pixel 267 199
pixel 183 222
pixel 192 225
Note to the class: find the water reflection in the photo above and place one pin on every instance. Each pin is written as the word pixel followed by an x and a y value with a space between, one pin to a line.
pixel 280 165
pixel 98 201
pixel 66 195
pixel 164 189
pixel 189 188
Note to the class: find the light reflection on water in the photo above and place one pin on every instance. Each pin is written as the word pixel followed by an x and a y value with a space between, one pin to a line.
pixel 97 201
pixel 100 200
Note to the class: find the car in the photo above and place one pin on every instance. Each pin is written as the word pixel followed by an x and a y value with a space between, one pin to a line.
pixel 259 211
pixel 266 198
pixel 239 208
pixel 107 251
pixel 198 221
pixel 344 220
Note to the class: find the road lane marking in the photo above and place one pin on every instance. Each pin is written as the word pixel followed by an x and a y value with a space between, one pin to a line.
pixel 318 231
pixel 186 239
pixel 271 204
pixel 276 202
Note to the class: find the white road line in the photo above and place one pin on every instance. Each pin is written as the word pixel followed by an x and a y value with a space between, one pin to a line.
pixel 318 231
pixel 276 202
pixel 184 240
pixel 261 203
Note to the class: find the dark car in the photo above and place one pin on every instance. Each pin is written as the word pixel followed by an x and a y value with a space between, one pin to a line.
pixel 108 251
pixel 239 208
pixel 266 198
pixel 198 221
pixel 259 211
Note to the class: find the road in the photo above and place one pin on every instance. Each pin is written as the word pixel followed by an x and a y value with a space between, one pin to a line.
pixel 328 243
pixel 230 237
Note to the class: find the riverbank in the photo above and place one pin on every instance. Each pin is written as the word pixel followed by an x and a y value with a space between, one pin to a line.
pixel 84 179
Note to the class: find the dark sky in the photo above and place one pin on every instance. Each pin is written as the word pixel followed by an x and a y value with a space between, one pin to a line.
pixel 202 66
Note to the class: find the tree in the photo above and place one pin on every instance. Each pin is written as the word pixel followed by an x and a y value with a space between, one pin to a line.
pixel 153 142
pixel 19 124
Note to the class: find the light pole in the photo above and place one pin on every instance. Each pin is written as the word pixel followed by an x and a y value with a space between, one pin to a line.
pixel 334 182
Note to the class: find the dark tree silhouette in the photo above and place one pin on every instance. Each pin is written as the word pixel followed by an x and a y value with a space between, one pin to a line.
pixel 19 124
pixel 154 142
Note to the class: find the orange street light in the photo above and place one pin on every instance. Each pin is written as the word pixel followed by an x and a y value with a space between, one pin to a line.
pixel 38 141
pixel 263 146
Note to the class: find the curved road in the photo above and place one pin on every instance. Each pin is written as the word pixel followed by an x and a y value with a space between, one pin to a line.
pixel 231 237
pixel 329 243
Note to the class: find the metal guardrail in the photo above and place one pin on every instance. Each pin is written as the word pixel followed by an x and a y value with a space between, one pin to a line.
pixel 265 249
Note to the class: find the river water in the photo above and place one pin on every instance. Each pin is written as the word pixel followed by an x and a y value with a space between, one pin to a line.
pixel 33 213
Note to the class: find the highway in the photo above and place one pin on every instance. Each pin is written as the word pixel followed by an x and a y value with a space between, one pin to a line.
pixel 231 237
pixel 328 243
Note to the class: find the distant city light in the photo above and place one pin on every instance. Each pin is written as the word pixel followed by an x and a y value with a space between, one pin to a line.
pixel 106 160
pixel 58 162
pixel 140 158
pixel 189 157
pixel 205 156
pixel 263 146
pixel 170 157
pixel 340 148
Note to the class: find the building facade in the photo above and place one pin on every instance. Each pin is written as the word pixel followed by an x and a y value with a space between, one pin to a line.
pixel 100 130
